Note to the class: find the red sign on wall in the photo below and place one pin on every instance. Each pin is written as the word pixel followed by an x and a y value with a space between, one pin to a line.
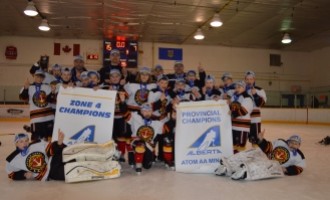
pixel 11 52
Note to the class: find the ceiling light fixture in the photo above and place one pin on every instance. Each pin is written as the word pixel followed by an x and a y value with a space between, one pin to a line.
pixel 44 25
pixel 216 21
pixel 199 34
pixel 31 10
pixel 286 39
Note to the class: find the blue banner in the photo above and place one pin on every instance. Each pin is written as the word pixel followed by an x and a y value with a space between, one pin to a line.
pixel 169 54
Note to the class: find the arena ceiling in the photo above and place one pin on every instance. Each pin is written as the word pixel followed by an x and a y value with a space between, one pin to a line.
pixel 246 23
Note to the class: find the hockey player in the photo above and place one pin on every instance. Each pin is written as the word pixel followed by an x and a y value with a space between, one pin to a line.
pixel 167 144
pixel 259 99
pixel 228 88
pixel 39 96
pixel 121 132
pixel 158 72
pixel 144 131
pixel 114 64
pixel 66 78
pixel 180 94
pixel 285 158
pixel 138 92
pixel 160 99
pixel 38 160
pixel 77 69
pixel 241 106
pixel 56 72
pixel 286 152
pixel 192 80
pixel 209 92
pixel 42 64
pixel 178 74
pixel 85 81
pixel 94 79
pixel 44 161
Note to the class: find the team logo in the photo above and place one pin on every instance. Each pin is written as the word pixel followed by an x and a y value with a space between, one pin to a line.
pixel 35 162
pixel 146 133
pixel 40 99
pixel 281 154
pixel 84 135
pixel 141 96
pixel 206 142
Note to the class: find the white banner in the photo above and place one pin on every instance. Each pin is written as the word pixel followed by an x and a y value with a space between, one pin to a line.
pixel 84 115
pixel 203 134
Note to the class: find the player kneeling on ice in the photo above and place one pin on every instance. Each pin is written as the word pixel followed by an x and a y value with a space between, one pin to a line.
pixel 41 160
pixel 285 159
pixel 144 130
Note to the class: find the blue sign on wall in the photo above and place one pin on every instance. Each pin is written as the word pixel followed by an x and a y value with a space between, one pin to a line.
pixel 170 54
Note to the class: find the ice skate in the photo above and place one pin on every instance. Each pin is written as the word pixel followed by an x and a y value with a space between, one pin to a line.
pixel 138 168
pixel 90 152
pixel 91 170
pixel 170 167
pixel 138 171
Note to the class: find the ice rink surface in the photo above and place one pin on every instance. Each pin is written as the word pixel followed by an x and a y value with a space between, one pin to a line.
pixel 158 183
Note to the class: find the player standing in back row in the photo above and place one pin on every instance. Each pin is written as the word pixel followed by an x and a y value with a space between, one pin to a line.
pixel 259 99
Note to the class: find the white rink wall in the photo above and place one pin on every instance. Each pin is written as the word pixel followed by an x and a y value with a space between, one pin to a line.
pixel 296 115
pixel 283 115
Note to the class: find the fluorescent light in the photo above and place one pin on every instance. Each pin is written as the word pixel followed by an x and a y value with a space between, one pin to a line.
pixel 31 10
pixel 216 21
pixel 286 39
pixel 44 25
pixel 199 34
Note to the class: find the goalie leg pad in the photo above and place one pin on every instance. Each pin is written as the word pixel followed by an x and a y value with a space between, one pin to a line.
pixel 234 162
pixel 263 169
pixel 91 170
pixel 90 152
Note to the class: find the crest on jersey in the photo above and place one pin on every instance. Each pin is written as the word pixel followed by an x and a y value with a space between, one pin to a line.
pixel 146 133
pixel 35 162
pixel 141 96
pixel 84 135
pixel 281 154
pixel 40 99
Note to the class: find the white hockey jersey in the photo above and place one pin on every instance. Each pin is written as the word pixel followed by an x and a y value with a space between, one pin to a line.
pixel 259 99
pixel 146 130
pixel 35 161
pixel 293 161
pixel 40 108
pixel 241 108
pixel 138 94
pixel 161 112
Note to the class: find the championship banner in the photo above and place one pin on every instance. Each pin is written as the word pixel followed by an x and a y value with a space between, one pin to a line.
pixel 84 115
pixel 203 134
